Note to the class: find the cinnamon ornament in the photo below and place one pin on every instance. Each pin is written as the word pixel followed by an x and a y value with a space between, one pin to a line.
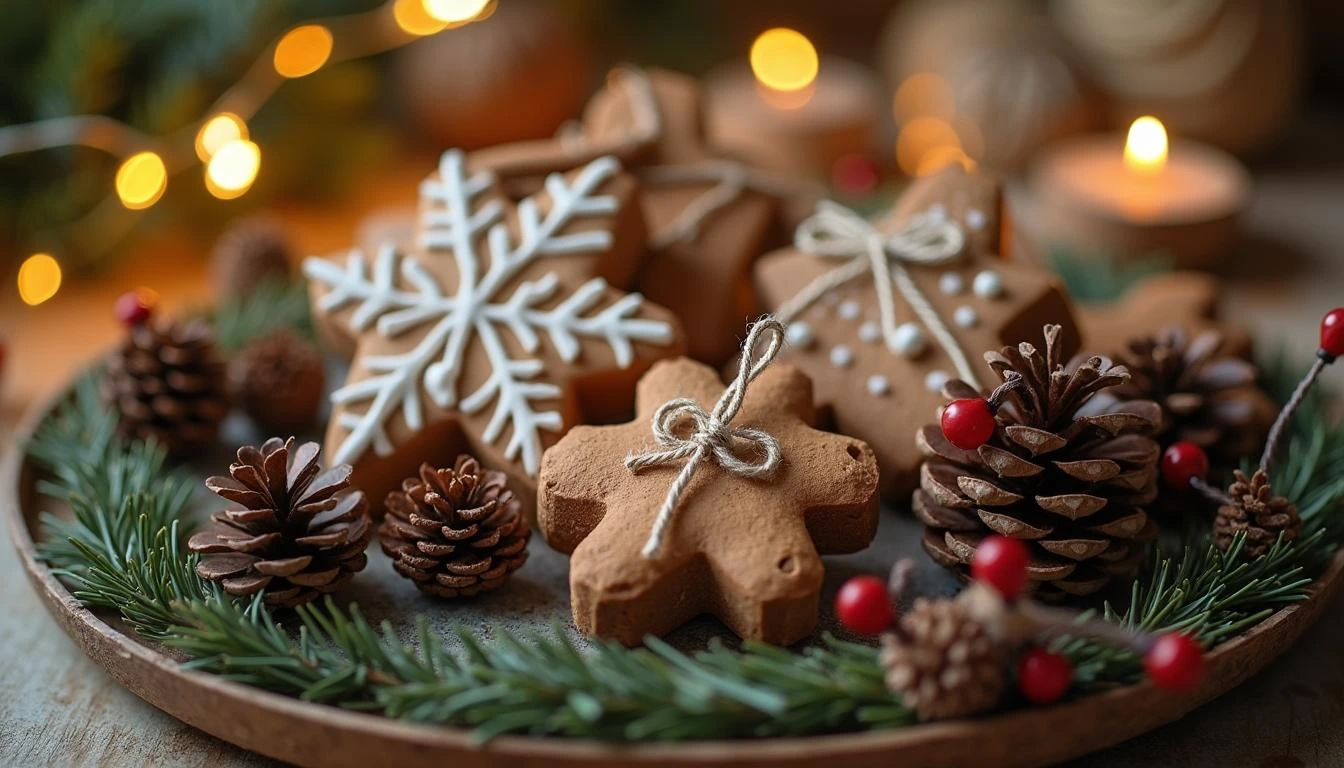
pixel 723 510
pixel 496 332
pixel 709 216
pixel 882 314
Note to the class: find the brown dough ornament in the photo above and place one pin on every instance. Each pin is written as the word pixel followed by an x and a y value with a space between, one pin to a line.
pixel 725 516
pixel 879 358
pixel 1183 299
pixel 496 332
pixel 709 217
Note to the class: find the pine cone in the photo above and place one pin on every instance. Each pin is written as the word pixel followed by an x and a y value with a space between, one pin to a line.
pixel 1261 516
pixel 1069 478
pixel 249 253
pixel 298 533
pixel 167 383
pixel 455 532
pixel 279 381
pixel 943 662
pixel 1207 398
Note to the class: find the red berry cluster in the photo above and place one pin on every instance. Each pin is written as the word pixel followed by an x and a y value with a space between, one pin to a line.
pixel 133 308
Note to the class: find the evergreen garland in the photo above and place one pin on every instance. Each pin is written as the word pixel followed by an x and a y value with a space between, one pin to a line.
pixel 122 552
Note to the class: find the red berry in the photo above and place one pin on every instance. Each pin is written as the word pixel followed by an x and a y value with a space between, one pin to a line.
pixel 133 309
pixel 855 175
pixel 1183 462
pixel 1332 332
pixel 1001 563
pixel 1175 662
pixel 863 605
pixel 968 423
pixel 1042 676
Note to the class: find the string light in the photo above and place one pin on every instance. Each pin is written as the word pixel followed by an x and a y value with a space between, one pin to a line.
pixel 454 11
pixel 784 59
pixel 414 19
pixel 218 131
pixel 232 169
pixel 303 50
pixel 39 279
pixel 141 180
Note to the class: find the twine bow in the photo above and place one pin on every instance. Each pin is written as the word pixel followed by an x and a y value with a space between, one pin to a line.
pixel 836 232
pixel 712 435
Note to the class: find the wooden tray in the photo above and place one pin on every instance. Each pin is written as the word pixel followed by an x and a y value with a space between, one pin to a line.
pixel 312 734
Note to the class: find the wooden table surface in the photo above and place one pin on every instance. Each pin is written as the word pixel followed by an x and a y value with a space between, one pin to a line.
pixel 58 708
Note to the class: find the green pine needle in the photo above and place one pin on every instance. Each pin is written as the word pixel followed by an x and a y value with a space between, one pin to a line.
pixel 273 305
pixel 121 551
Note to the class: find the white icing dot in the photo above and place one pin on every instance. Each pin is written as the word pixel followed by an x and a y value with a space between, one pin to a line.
pixel 951 284
pixel 975 218
pixel 938 211
pixel 849 309
pixel 799 334
pixel 909 340
pixel 966 317
pixel 935 380
pixel 842 356
pixel 878 385
pixel 870 331
pixel 987 284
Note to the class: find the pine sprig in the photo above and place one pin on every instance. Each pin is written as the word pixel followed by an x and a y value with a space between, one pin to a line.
pixel 121 551
pixel 273 305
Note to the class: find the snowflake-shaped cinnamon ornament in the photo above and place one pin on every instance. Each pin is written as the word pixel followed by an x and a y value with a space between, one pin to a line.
pixel 496 332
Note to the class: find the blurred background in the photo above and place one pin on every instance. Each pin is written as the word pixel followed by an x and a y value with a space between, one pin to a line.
pixel 132 132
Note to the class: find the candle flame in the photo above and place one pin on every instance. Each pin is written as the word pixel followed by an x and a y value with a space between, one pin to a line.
pixel 784 60
pixel 1146 145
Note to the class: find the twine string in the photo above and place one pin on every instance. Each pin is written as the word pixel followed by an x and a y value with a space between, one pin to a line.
pixel 836 232
pixel 712 436
pixel 1275 439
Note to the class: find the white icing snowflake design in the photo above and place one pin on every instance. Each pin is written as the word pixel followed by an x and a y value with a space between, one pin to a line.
pixel 476 311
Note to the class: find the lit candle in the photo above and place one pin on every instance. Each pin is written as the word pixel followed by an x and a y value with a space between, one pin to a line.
pixel 1138 195
pixel 791 110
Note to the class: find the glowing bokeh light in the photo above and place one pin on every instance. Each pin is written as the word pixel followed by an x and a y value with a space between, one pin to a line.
pixel 923 94
pixel 232 169
pixel 218 131
pixel 414 19
pixel 303 50
pixel 141 180
pixel 454 11
pixel 921 136
pixel 784 60
pixel 39 279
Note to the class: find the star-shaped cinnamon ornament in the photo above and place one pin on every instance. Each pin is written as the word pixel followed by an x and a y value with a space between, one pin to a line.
pixel 497 330
pixel 741 547
pixel 882 313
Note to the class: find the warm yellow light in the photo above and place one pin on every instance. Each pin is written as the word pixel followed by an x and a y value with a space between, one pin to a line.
pixel 920 137
pixel 218 131
pixel 39 279
pixel 141 180
pixel 923 94
pixel 303 50
pixel 940 157
pixel 454 11
pixel 414 19
pixel 784 60
pixel 232 169
pixel 1146 145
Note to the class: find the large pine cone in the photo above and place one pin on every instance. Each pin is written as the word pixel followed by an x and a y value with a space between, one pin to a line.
pixel 251 252
pixel 298 532
pixel 167 383
pixel 1208 398
pixel 455 532
pixel 279 381
pixel 943 662
pixel 1068 478
pixel 1262 516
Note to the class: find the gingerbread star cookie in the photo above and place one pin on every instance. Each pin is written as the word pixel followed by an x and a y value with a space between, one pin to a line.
pixel 495 332
pixel 881 314
pixel 725 514
pixel 709 216
pixel 1183 299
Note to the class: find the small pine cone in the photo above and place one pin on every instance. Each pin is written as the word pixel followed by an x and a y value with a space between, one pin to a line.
pixel 1208 397
pixel 167 383
pixel 1062 473
pixel 279 380
pixel 297 533
pixel 943 662
pixel 1261 516
pixel 249 253
pixel 455 532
